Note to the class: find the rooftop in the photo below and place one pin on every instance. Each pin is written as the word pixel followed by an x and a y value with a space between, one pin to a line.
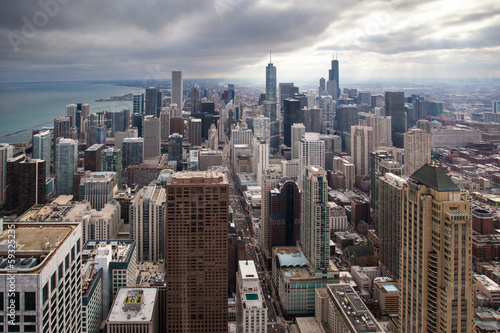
pixel 121 250
pixel 435 178
pixel 133 305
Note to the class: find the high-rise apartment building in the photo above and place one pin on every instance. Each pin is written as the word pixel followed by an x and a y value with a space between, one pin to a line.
pixel 92 157
pixel 269 181
pixel 327 108
pixel 177 90
pixel 261 127
pixel 111 160
pixel 196 252
pixel 298 131
pixel 61 128
pixel 152 137
pixel 361 146
pixel 195 132
pixel 435 272
pixel 260 158
pixel 71 111
pixel 390 199
pixel 6 152
pixel 165 125
pixel 381 129
pixel 418 147
pixel 315 218
pixel 138 103
pixel 311 152
pixel 395 108
pixel 495 106
pixel 42 149
pixel 291 116
pixel 66 162
pixel 99 188
pixel 43 283
pixel 151 101
pixel 147 223
pixel 31 180
pixel 133 151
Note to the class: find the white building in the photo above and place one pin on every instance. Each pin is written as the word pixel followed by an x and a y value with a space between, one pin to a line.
pixel 311 152
pixel 291 169
pixel 364 276
pixel 417 150
pixel 338 217
pixel 177 91
pixel 262 127
pixel 44 278
pixel 298 131
pixel 361 146
pixel 260 158
pixel 100 188
pixel 251 313
pixel 134 310
pixel 152 137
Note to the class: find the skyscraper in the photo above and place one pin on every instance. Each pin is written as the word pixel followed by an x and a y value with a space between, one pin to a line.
pixel 195 98
pixel 390 199
pixel 42 149
pixel 311 152
pixel 381 129
pixel 31 183
pixel 6 152
pixel 322 86
pixel 260 158
pixel 195 132
pixel 285 90
pixel 99 188
pixel 435 272
pixel 147 223
pixel 327 111
pixel 138 103
pixel 269 182
pixel 417 150
pixel 133 151
pixel 66 162
pixel 298 131
pixel 395 108
pixel 177 94
pixel 333 75
pixel 271 106
pixel 152 137
pixel 111 160
pixel 61 127
pixel 165 125
pixel 71 110
pixel 291 116
pixel 196 262
pixel 315 218
pixel 495 106
pixel 151 101
pixel 261 127
pixel 361 146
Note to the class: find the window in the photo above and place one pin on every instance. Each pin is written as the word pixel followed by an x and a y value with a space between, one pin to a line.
pixel 14 300
pixel 1 302
pixel 61 271
pixel 45 292
pixel 53 282
pixel 29 301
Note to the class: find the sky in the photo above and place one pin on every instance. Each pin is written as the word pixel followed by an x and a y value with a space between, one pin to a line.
pixel 72 40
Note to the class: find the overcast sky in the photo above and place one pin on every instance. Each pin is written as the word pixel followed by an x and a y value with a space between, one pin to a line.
pixel 47 40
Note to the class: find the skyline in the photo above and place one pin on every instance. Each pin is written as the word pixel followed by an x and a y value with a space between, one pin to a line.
pixel 71 40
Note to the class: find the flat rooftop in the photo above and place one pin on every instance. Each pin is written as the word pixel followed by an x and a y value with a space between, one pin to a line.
pixel 308 325
pixel 141 309
pixel 121 249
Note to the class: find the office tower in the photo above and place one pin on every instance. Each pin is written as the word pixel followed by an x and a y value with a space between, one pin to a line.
pixel 213 137
pixel 230 93
pixel 284 214
pixel 285 90
pixel 117 262
pixel 12 188
pixel 41 150
pixel 311 98
pixel 315 218
pixel 331 89
pixel 147 223
pixel 92 157
pixel 311 152
pixel 129 133
pixel 48 288
pixel 381 129
pixel 99 188
pixel 195 132
pixel 177 125
pixel 260 158
pixel 361 146
pixel 138 103
pixel 312 119
pixel 177 94
pixel 151 101
pixel 347 116
pixel 165 125
pixel 251 308
pixel 347 311
pixel 322 86
pixel 138 123
pixel 261 127
pixel 333 75
pixel 271 107
pixel 417 147
pixel 196 263
pixel 435 271
pixel 159 103
pixel 298 131
pixel 133 151
pixel 195 98
pixel 31 181
pixel 61 127
pixel 174 148
pixel 152 137
pixel 269 181
pixel 241 136
pixel 291 116
pixel 66 162
pixel 134 310
pixel 327 111
pixel 111 160
pixel 96 135
pixel 424 124
pixel 119 120
pixel 389 222
pixel 6 152
pixel 495 106
pixel 395 108
pixel 365 97
pixel 71 110
pixel 381 162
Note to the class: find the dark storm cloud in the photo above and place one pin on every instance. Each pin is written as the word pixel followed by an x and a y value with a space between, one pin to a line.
pixel 204 36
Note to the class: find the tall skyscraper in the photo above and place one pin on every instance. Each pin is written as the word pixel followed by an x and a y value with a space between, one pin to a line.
pixel 315 218
pixel 395 108
pixel 151 101
pixel 260 158
pixel 147 223
pixel 195 98
pixel 92 157
pixel 284 214
pixel 165 125
pixel 381 129
pixel 152 137
pixel 71 110
pixel 138 103
pixel 327 111
pixel 195 132
pixel 285 90
pixel 42 149
pixel 333 75
pixel 291 116
pixel 311 98
pixel 361 146
pixel 390 219
pixel 269 181
pixel 133 151
pixel 111 160
pixel 311 152
pixel 66 163
pixel 271 106
pixel 417 150
pixel 48 281
pixel 261 127
pixel 177 93
pixel 435 272
pixel 61 127
pixel 6 152
pixel 99 188
pixel 196 263
pixel 322 86
pixel 298 131
pixel 31 183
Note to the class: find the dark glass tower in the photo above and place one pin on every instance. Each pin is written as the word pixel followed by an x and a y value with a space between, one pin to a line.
pixel 291 116
pixel 333 74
